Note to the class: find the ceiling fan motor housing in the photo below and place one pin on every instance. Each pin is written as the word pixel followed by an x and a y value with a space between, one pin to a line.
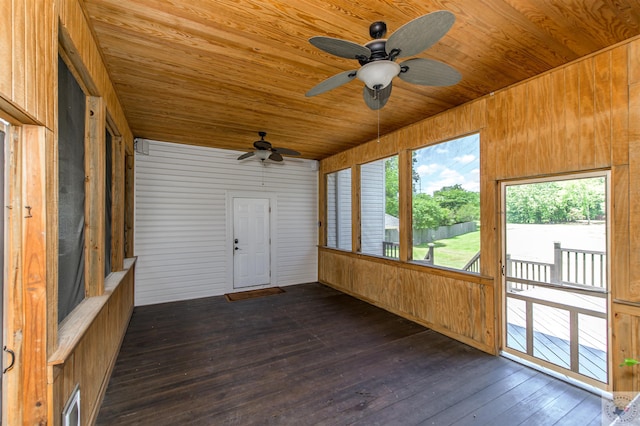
pixel 378 51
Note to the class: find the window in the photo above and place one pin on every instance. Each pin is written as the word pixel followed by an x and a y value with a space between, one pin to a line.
pixel 379 207
pixel 339 209
pixel 71 192
pixel 446 204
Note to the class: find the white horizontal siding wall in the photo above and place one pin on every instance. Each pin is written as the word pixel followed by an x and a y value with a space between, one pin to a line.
pixel 344 209
pixel 372 180
pixel 181 224
pixel 339 209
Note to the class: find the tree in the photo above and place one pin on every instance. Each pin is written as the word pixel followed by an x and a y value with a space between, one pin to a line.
pixel 461 205
pixel 556 202
pixel 391 186
pixel 427 213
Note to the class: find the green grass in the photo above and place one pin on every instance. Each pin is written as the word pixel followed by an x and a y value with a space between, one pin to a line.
pixel 453 252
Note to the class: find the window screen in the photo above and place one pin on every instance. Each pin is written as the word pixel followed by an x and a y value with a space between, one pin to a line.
pixel 107 204
pixel 446 204
pixel 339 209
pixel 71 195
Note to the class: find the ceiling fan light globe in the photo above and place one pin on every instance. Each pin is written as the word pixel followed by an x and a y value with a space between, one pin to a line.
pixel 377 75
pixel 263 154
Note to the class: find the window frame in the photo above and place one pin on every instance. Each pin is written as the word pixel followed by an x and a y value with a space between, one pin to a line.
pixel 347 208
pixel 97 123
pixel 426 263
pixel 363 204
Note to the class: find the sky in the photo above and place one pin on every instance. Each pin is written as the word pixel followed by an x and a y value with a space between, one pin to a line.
pixel 449 163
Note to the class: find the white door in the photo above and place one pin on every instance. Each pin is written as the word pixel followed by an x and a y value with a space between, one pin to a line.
pixel 252 242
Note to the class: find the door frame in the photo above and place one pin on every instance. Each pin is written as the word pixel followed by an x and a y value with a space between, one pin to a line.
pixel 13 311
pixel 4 143
pixel 536 363
pixel 273 223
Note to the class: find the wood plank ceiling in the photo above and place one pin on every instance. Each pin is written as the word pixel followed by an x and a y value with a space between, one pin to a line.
pixel 214 73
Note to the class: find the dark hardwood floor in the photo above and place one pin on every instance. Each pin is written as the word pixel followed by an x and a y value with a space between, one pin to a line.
pixel 313 356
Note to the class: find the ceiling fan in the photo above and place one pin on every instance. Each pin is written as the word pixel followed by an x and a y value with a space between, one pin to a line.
pixel 264 150
pixel 377 58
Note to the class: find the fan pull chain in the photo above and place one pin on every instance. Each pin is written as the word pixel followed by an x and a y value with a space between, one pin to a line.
pixel 378 97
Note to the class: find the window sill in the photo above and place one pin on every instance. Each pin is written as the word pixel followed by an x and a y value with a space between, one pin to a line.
pixel 72 329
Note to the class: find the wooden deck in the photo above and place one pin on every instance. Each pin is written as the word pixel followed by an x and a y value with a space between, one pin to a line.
pixel 313 356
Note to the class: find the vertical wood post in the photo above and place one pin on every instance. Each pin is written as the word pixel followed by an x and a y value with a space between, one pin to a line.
pixel 129 202
pixel 117 204
pixel 94 196
pixel 404 205
pixel 34 276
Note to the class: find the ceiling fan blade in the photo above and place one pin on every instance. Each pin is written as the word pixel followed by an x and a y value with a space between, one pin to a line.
pixel 262 144
pixel 275 157
pixel 376 99
pixel 341 48
pixel 285 151
pixel 332 82
pixel 246 155
pixel 428 72
pixel 421 33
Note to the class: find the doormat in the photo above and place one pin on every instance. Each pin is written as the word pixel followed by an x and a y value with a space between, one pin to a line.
pixel 251 294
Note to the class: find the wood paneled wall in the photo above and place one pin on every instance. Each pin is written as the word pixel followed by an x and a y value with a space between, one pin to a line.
pixel 32 33
pixel 626 294
pixel 417 294
pixel 89 345
pixel 581 117
pixel 26 49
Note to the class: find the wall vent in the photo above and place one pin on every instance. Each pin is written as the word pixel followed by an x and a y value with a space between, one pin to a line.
pixel 71 412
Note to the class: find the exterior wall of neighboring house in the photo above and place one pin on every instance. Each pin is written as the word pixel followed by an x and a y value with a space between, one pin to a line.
pixel 183 236
pixel 372 207
pixel 332 212
pixel 339 210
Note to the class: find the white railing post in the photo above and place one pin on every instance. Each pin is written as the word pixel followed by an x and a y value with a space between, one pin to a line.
pixel 556 269
pixel 429 256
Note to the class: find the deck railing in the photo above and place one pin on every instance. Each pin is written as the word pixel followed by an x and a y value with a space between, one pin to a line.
pixel 390 249
pixel 474 264
pixel 582 267
pixel 575 267
pixel 570 324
